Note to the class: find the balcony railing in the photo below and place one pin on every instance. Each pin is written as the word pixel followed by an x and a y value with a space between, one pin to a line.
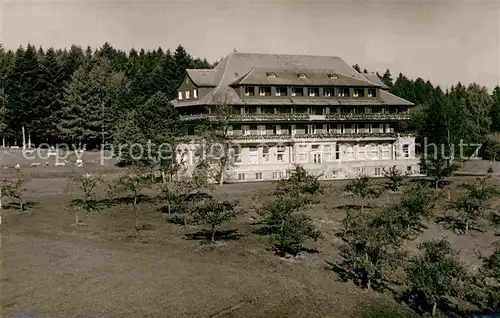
pixel 252 117
pixel 287 137
pixel 368 116
pixel 295 117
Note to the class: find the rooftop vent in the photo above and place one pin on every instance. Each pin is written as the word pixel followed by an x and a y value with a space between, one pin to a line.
pixel 271 74
pixel 302 75
pixel 332 76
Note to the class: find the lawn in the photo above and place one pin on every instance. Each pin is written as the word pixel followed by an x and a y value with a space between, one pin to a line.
pixel 106 269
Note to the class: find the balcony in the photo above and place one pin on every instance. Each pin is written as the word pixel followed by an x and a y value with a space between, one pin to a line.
pixel 331 136
pixel 253 117
pixel 368 116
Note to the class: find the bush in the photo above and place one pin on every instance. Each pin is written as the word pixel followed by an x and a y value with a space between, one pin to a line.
pixel 435 277
pixel 294 231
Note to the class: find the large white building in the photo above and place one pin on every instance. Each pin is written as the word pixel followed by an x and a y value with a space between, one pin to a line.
pixel 315 111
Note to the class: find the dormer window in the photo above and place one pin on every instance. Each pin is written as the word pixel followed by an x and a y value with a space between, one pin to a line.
pixel 344 92
pixel 358 92
pixel 297 91
pixel 249 91
pixel 372 92
pixel 332 76
pixel 328 91
pixel 179 95
pixel 195 93
pixel 302 75
pixel 313 91
pixel 281 91
pixel 265 91
pixel 187 95
pixel 271 74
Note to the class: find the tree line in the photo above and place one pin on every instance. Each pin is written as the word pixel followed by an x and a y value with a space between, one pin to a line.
pixel 467 113
pixel 78 95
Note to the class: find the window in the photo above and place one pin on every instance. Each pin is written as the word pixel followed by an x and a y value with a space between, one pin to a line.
pixel 310 129
pixel 241 177
pixel 271 74
pixel 258 176
pixel 313 91
pixel 280 154
pixel 328 92
pixel 406 151
pixel 245 129
pixel 291 130
pixel 277 175
pixel 340 128
pixel 254 155
pixel 332 76
pixel 359 92
pixel 373 151
pixel 297 91
pixel 386 151
pixel 230 130
pixel 237 154
pixel 327 150
pixel 187 94
pixel 349 152
pixel 302 153
pixel 382 128
pixel 265 91
pixel 315 147
pixel 265 154
pixel 408 170
pixel 281 91
pixel 369 128
pixel 179 95
pixel 387 128
pixel 361 152
pixel 326 129
pixel 344 92
pixel 276 130
pixel 249 91
pixel 378 172
pixel 258 109
pixel 301 75
pixel 372 92
pixel 243 110
pixel 261 130
pixel 326 110
pixel 334 174
pixel 355 128
pixel 195 93
pixel 337 152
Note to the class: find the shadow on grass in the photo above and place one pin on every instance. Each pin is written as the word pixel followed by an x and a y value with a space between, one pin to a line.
pixel 457 225
pixel 110 202
pixel 15 206
pixel 376 310
pixel 205 237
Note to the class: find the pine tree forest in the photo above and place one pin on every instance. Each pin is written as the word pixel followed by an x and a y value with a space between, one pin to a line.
pixel 79 95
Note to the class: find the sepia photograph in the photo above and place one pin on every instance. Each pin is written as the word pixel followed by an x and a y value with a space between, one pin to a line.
pixel 249 158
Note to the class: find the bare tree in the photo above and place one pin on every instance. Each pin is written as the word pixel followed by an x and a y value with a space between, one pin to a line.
pixel 87 184
pixel 15 189
pixel 133 182
pixel 217 131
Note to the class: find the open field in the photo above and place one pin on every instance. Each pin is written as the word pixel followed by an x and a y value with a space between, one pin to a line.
pixel 52 269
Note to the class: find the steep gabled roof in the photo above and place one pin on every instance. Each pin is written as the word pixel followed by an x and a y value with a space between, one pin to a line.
pixel 259 76
pixel 204 78
pixel 252 68
pixel 372 77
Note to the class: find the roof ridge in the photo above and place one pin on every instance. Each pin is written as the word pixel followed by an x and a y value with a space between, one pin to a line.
pixel 222 77
pixel 287 54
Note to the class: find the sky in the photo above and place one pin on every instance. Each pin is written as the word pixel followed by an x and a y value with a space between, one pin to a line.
pixel 443 41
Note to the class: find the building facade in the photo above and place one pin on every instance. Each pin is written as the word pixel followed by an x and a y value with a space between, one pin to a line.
pixel 315 111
